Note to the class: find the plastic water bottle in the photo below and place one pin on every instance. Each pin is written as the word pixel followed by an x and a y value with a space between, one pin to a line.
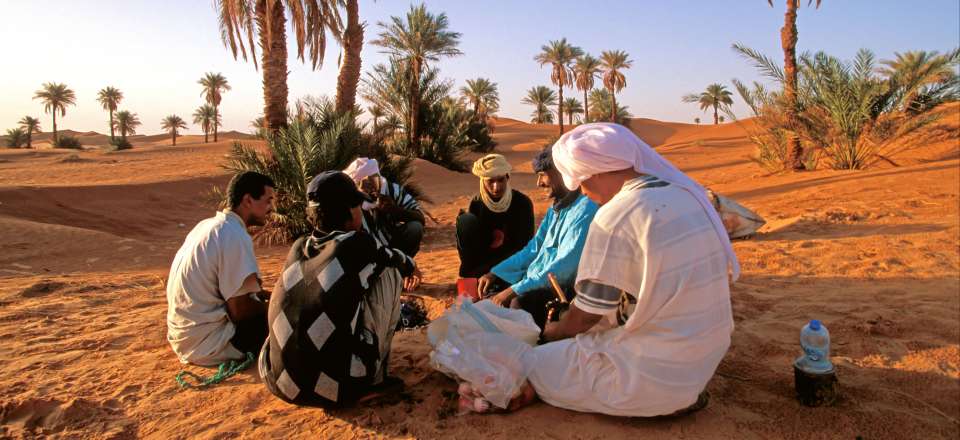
pixel 815 341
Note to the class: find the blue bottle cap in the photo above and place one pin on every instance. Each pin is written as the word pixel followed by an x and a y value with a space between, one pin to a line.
pixel 814 324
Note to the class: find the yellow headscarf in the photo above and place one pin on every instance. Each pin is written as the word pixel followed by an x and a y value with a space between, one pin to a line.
pixel 489 166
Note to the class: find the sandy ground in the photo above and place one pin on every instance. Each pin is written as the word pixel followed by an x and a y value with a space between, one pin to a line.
pixel 87 238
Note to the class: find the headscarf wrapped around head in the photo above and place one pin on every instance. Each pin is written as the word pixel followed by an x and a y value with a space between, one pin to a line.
pixel 361 168
pixel 591 149
pixel 488 167
pixel 543 161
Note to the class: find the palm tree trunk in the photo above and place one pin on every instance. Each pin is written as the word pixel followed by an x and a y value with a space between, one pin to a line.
pixel 613 110
pixel 111 124
pixel 413 135
pixel 560 108
pixel 206 136
pixel 54 127
pixel 716 118
pixel 570 118
pixel 586 107
pixel 216 117
pixel 349 75
pixel 29 139
pixel 273 42
pixel 788 38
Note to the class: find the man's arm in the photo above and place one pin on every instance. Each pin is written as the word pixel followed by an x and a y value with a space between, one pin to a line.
pixel 574 322
pixel 242 306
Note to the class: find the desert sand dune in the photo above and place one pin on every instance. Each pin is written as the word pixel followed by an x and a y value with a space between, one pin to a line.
pixel 874 254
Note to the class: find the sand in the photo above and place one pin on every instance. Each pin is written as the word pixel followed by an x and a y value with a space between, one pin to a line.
pixel 87 240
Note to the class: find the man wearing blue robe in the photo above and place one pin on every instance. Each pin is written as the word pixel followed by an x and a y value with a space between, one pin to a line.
pixel 555 249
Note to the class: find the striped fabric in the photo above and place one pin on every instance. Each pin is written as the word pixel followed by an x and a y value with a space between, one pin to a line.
pixel 399 196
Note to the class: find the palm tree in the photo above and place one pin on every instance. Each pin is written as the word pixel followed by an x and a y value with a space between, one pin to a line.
pixel 214 84
pixel 30 125
pixel 716 96
pixel 266 21
pixel 109 98
pixel 584 72
pixel 352 43
pixel 924 78
pixel 173 123
pixel 559 54
pixel 603 107
pixel 541 97
pixel 126 123
pixel 56 97
pixel 788 39
pixel 421 38
pixel 376 112
pixel 482 95
pixel 696 120
pixel 612 62
pixel 572 106
pixel 207 118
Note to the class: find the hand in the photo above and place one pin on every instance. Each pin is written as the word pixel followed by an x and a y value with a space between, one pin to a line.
pixel 411 282
pixel 386 205
pixel 551 331
pixel 503 298
pixel 485 282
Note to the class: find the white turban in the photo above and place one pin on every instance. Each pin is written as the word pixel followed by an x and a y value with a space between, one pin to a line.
pixel 591 149
pixel 362 168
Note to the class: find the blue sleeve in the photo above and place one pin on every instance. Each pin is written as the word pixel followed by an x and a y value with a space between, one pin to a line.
pixel 564 265
pixel 514 268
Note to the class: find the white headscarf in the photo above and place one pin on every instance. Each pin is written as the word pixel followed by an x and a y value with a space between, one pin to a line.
pixel 591 149
pixel 362 168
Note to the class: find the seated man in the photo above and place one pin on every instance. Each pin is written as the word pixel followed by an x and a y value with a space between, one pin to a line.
pixel 216 309
pixel 336 306
pixel 652 317
pixel 397 213
pixel 498 223
pixel 555 249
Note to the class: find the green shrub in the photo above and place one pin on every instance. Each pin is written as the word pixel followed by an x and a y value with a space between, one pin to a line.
pixel 117 144
pixel 67 141
pixel 15 138
pixel 316 139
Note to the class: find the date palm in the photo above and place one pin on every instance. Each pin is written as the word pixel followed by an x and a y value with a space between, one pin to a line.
pixel 244 21
pixel 56 97
pixel 207 118
pixel 109 98
pixel 559 55
pixel 126 123
pixel 716 96
pixel 541 97
pixel 788 40
pixel 214 84
pixel 613 62
pixel 173 124
pixel 924 79
pixel 483 97
pixel 30 125
pixel 585 71
pixel 376 112
pixel 420 38
pixel 572 106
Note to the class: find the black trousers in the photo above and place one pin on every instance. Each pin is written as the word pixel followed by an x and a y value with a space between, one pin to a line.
pixel 250 334
pixel 407 237
pixel 473 245
pixel 535 303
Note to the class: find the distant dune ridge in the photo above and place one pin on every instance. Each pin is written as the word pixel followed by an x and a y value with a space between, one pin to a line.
pixel 87 238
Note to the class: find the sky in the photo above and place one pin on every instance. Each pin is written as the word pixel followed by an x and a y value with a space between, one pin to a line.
pixel 156 51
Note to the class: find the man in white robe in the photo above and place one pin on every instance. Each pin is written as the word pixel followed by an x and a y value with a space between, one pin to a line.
pixel 652 319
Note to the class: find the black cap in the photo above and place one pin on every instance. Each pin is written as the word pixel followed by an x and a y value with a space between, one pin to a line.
pixel 335 188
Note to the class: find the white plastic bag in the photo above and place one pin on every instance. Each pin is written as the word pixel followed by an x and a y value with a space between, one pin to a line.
pixel 486 345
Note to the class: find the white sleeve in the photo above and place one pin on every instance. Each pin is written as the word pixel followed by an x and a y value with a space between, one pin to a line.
pixel 237 262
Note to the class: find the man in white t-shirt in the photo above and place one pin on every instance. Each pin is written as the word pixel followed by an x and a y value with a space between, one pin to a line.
pixel 652 319
pixel 216 307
